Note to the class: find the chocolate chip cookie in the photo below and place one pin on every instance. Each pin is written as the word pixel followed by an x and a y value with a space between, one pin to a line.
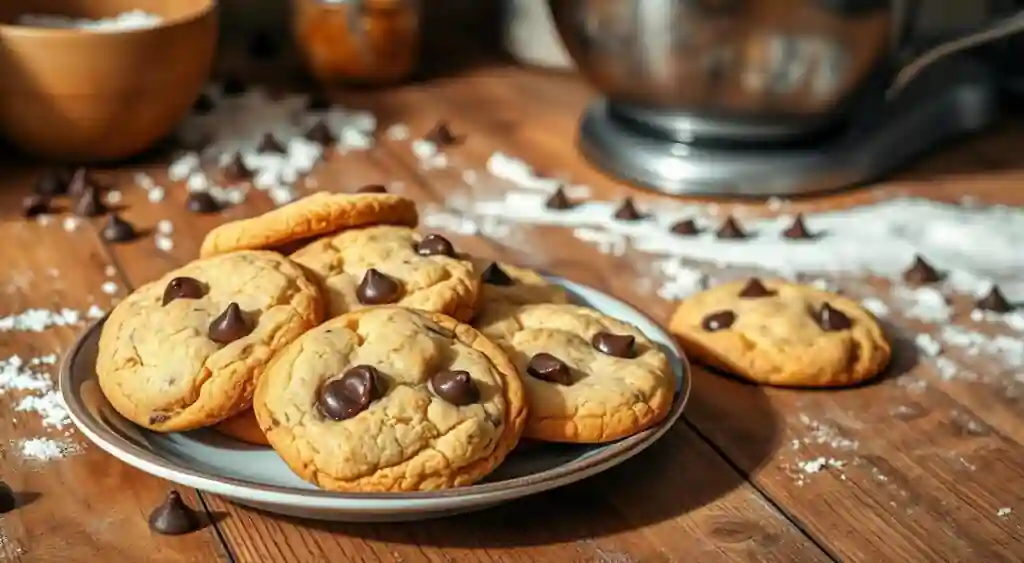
pixel 589 378
pixel 185 351
pixel 781 333
pixel 391 399
pixel 307 218
pixel 504 284
pixel 388 265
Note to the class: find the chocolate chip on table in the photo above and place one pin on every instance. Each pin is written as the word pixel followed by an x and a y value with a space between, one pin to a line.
pixel 118 230
pixel 686 228
pixel 183 288
pixel 79 182
pixel 378 288
pixel 441 135
pixel 549 368
pixel 730 229
pixel 558 200
pixel 230 325
pixel 203 105
pixel 921 272
pixel 201 202
pixel 51 183
pixel 8 500
pixel 435 245
pixel 831 319
pixel 350 394
pixel 755 289
pixel 628 211
pixel 797 230
pixel 617 345
pixel 494 275
pixel 320 133
pixel 455 386
pixel 236 170
pixel 90 204
pixel 173 517
pixel 372 189
pixel 270 144
pixel 34 206
pixel 233 86
pixel 994 301
pixel 719 320
pixel 263 45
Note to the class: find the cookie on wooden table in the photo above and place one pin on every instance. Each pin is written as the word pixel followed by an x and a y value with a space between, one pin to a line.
pixel 781 333
pixel 589 378
pixel 391 399
pixel 387 265
pixel 243 427
pixel 185 351
pixel 307 218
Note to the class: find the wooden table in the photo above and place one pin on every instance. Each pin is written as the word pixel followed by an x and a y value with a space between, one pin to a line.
pixel 935 461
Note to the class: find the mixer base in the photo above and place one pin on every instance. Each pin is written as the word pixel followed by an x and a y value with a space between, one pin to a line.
pixel 951 99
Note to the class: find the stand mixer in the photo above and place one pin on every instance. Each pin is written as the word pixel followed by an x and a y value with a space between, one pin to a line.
pixel 768 97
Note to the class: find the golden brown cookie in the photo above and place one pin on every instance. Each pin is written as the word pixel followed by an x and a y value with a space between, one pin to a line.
pixel 588 377
pixel 391 399
pixel 243 427
pixel 388 265
pixel 504 285
pixel 185 351
pixel 781 333
pixel 309 217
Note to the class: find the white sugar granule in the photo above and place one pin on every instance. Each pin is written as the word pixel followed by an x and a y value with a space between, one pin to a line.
pixel 144 181
pixel 1004 512
pixel 165 227
pixel 156 194
pixel 114 197
pixel 927 345
pixel 49 406
pixel 163 243
pixel 1013 319
pixel 606 243
pixel 38 320
pixel 183 166
pixel 947 368
pixel 70 223
pixel 197 182
pixel 126 21
pixel 924 303
pixel 875 306
pixel 45 449
pixel 815 465
pixel 683 280
pixel 397 132
pixel 109 287
pixel 110 271
pixel 1007 349
pixel 95 312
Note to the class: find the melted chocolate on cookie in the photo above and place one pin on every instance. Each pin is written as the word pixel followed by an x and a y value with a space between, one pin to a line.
pixel 183 288
pixel 831 319
pixel 755 289
pixel 549 368
pixel 378 289
pixel 455 387
pixel 618 345
pixel 229 325
pixel 435 245
pixel 351 394
pixel 720 320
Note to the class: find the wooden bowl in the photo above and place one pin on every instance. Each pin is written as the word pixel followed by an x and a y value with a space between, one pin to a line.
pixel 89 96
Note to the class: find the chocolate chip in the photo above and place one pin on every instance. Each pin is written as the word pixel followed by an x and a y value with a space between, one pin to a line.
pixel 236 170
pixel 158 418
pixel 263 45
pixel 233 86
pixel 494 275
pixel 320 134
pixel 719 320
pixel 173 517
pixel 549 368
pixel 34 206
pixel 8 500
pixel 994 301
pixel 921 272
pixel 270 144
pixel 755 289
pixel 79 182
pixel 90 204
pixel 118 230
pixel 378 288
pixel 730 229
pixel 686 228
pixel 201 202
pixel 618 345
pixel 441 135
pixel 183 288
pixel 456 387
pixel 203 105
pixel 318 102
pixel 628 211
pixel 51 183
pixel 351 394
pixel 831 319
pixel 435 245
pixel 372 189
pixel 558 200
pixel 229 326
pixel 797 230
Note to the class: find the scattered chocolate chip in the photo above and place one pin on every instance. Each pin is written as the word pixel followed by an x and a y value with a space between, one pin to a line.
pixel 263 45
pixel 372 189
pixel 79 182
pixel 686 228
pixel 441 135
pixel 320 134
pixel 201 202
pixel 755 289
pixel 173 517
pixel 229 326
pixel 797 230
pixel 719 320
pixel 318 102
pixel 183 288
pixel 456 387
pixel 921 272
pixel 549 368
pixel 34 206
pixel 618 345
pixel 8 500
pixel 51 183
pixel 494 275
pixel 994 301
pixel 118 230
pixel 158 418
pixel 730 229
pixel 352 393
pixel 435 245
pixel 90 204
pixel 269 143
pixel 831 319
pixel 628 211
pixel 558 200
pixel 233 86
pixel 236 170
pixel 203 104
pixel 378 288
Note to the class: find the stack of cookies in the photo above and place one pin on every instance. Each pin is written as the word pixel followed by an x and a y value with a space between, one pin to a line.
pixel 372 357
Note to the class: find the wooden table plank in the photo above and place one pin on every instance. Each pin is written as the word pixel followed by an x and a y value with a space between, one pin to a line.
pixel 83 506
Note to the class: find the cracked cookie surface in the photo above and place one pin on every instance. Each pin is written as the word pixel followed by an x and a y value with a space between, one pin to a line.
pixel 408 438
pixel 318 214
pixel 780 333
pixel 159 367
pixel 600 397
pixel 436 283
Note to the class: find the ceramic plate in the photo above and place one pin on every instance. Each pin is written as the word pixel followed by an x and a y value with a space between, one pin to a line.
pixel 257 477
